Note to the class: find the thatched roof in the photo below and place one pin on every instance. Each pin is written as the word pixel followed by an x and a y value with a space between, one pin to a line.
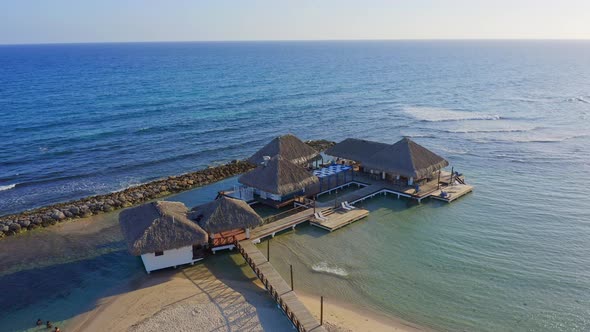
pixel 279 176
pixel 289 147
pixel 224 214
pixel 159 226
pixel 355 149
pixel 406 158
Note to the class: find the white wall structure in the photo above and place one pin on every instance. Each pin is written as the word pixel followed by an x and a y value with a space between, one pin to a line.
pixel 170 258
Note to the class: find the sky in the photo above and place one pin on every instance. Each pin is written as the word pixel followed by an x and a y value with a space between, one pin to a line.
pixel 63 21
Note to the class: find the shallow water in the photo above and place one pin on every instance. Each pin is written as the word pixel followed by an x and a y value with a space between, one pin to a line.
pixel 512 116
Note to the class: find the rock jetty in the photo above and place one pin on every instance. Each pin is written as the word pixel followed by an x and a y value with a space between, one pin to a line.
pixel 86 207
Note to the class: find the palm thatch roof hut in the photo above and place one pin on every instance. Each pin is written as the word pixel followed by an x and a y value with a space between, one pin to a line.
pixel 406 158
pixel 159 226
pixel 279 176
pixel 289 147
pixel 355 149
pixel 225 213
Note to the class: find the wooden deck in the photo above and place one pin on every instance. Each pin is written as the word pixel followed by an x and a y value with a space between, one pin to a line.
pixel 375 186
pixel 287 300
pixel 339 218
pixel 454 191
pixel 281 224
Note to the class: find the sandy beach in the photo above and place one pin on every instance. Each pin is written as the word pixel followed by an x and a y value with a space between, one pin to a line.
pixel 219 294
pixel 195 298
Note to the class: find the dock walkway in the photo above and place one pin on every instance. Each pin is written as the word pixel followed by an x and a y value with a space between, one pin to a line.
pixel 375 186
pixel 286 298
pixel 274 227
pixel 339 218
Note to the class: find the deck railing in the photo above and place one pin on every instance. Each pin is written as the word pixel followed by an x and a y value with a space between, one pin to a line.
pixel 270 288
pixel 284 214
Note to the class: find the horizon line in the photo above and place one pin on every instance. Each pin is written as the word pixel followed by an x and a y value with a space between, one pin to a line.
pixel 290 40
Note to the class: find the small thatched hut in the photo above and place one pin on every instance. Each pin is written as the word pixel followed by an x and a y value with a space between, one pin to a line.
pixel 162 235
pixel 278 181
pixel 226 220
pixel 408 159
pixel 289 147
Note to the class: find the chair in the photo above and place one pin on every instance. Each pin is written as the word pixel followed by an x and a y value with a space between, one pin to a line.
pixel 318 215
pixel 322 217
pixel 343 205
pixel 350 207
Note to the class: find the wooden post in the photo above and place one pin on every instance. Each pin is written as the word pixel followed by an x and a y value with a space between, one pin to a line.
pixel 268 250
pixel 321 310
pixel 291 276
pixel 438 183
pixel 452 172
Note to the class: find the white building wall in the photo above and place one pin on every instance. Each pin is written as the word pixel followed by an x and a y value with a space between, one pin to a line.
pixel 173 257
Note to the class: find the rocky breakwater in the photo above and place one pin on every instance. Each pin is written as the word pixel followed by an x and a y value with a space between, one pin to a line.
pixel 321 144
pixel 86 207
pixel 50 215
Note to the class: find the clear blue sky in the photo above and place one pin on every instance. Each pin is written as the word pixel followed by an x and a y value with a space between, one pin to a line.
pixel 56 21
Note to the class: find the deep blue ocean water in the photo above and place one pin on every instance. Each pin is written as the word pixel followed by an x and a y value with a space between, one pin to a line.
pixel 513 116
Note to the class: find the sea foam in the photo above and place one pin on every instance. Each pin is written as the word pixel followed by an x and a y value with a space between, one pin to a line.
pixel 323 267
pixel 434 114
pixel 7 187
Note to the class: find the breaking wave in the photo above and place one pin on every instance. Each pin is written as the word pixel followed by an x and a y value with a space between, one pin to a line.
pixel 323 267
pixel 499 130
pixel 10 186
pixel 433 114
pixel 580 99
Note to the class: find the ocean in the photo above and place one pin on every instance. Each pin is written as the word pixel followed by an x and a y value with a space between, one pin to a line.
pixel 513 116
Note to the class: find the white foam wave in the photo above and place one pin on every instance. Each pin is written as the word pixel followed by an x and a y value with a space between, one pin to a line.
pixel 323 267
pixel 493 130
pixel 10 186
pixel 580 99
pixel 433 114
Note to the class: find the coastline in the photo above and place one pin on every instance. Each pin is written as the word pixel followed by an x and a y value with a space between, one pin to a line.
pixel 221 291
pixel 341 317
pixel 211 298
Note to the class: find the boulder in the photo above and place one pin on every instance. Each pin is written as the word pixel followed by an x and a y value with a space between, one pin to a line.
pixel 74 210
pixel 14 227
pixel 24 223
pixel 57 215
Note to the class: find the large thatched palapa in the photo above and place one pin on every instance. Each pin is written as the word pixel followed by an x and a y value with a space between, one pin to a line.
pixel 289 147
pixel 224 214
pixel 356 149
pixel 406 158
pixel 159 226
pixel 279 176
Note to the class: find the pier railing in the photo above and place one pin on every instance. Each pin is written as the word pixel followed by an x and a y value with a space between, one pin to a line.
pixel 284 214
pixel 271 289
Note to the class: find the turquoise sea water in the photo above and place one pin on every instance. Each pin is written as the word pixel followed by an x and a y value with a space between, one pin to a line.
pixel 512 116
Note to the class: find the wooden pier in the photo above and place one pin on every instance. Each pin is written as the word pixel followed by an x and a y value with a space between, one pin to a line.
pixel 339 218
pixel 375 186
pixel 279 225
pixel 280 291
